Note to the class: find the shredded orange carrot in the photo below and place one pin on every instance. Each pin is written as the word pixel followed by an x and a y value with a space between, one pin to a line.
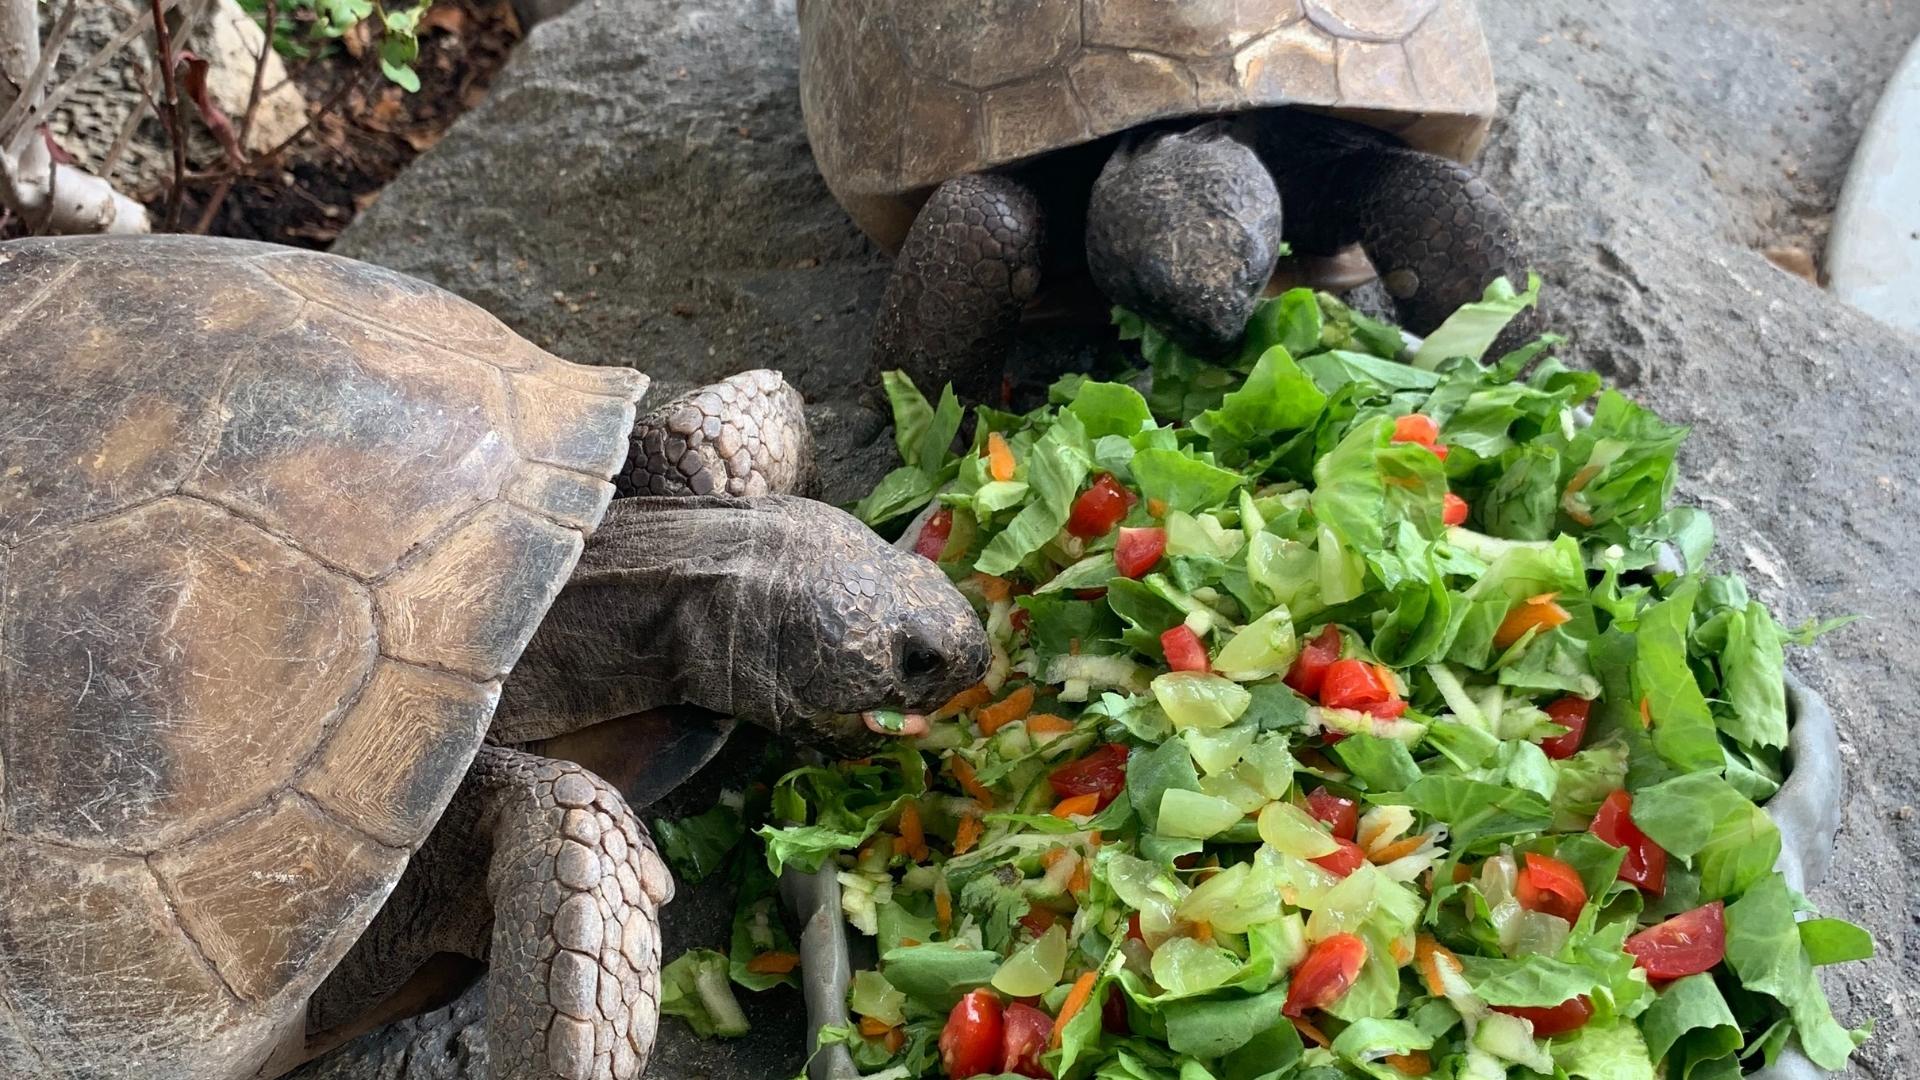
pixel 1313 1035
pixel 1429 954
pixel 1076 1000
pixel 970 781
pixel 1048 724
pixel 874 1029
pixel 1573 506
pixel 1416 1063
pixel 912 833
pixel 1646 713
pixel 1081 879
pixel 995 589
pixel 1400 951
pixel 1077 806
pixel 1094 839
pixel 999 457
pixel 971 698
pixel 1157 507
pixel 773 963
pixel 966 835
pixel 1014 706
pixel 896 1039
pixel 943 904
pixel 1399 849
pixel 909 942
pixel 1537 613
pixel 1203 932
pixel 1053 856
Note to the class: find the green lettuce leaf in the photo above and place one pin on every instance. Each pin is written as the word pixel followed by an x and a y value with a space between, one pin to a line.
pixel 1056 468
pixel 1765 950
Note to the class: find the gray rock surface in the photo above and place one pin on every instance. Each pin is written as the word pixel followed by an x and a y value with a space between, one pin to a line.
pixel 638 190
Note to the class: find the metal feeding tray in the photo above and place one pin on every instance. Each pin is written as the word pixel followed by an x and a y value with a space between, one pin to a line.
pixel 1806 809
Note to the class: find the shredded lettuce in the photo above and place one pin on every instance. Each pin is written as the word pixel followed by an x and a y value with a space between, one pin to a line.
pixel 1154 840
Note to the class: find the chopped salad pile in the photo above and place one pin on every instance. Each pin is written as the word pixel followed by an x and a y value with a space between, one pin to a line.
pixel 1355 711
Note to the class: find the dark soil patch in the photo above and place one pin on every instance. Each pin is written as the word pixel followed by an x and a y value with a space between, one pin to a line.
pixel 376 129
pixel 363 131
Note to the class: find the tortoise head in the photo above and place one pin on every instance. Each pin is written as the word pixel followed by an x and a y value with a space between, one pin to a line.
pixel 780 611
pixel 867 629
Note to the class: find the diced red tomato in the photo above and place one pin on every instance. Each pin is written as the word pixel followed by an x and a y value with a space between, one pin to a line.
pixel 1184 650
pixel 1024 1039
pixel 1548 885
pixel 1102 773
pixel 1309 670
pixel 1646 863
pixel 1138 550
pixel 1133 928
pixel 1356 684
pixel 1387 710
pixel 1326 974
pixel 1421 431
pixel 1551 1020
pixel 1684 945
pixel 1416 428
pixel 1090 594
pixel 933 535
pixel 1342 814
pixel 973 1042
pixel 1349 858
pixel 1571 713
pixel 1453 509
pixel 1039 920
pixel 1099 508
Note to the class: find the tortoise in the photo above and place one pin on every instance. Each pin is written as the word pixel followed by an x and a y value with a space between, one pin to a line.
pixel 275 527
pixel 983 140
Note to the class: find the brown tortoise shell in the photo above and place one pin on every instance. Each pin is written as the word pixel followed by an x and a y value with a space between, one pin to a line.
pixel 273 525
pixel 901 95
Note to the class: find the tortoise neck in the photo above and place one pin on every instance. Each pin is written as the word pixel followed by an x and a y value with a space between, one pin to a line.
pixel 670 605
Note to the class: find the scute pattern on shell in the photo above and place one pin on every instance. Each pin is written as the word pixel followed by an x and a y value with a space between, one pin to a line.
pixel 233 474
pixel 745 435
pixel 900 95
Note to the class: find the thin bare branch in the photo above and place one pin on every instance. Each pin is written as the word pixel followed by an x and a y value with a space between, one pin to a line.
pixel 170 115
pixel 44 194
pixel 332 102
pixel 214 203
pixel 30 91
pixel 59 94
pixel 259 72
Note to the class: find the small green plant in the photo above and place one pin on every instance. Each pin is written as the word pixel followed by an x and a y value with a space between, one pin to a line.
pixel 305 29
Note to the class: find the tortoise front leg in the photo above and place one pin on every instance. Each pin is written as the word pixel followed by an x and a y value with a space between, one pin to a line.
pixel 1436 232
pixel 540 871
pixel 967 270
pixel 576 889
pixel 744 435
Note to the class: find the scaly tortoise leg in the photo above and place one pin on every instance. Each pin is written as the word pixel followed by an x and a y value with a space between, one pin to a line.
pixel 1436 232
pixel 968 267
pixel 745 435
pixel 576 889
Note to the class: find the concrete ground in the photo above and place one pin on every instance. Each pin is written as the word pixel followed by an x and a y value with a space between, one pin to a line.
pixel 638 190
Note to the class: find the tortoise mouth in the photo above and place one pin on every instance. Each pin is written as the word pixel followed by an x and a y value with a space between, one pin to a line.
pixel 895 724
pixel 858 734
